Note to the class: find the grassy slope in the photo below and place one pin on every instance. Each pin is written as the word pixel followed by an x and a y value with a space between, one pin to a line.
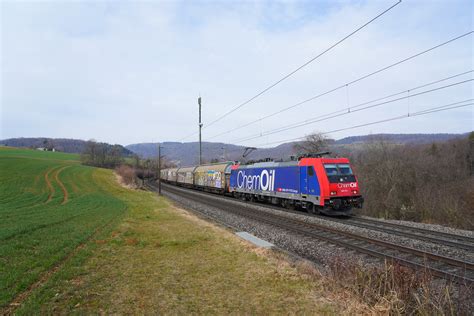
pixel 154 259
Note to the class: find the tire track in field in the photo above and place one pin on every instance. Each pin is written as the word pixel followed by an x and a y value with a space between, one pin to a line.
pixel 20 298
pixel 49 185
pixel 41 226
pixel 61 185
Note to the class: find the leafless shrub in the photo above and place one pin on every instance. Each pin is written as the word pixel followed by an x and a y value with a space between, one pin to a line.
pixel 401 289
pixel 127 174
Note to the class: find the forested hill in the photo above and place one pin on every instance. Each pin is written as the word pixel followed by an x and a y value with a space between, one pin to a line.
pixel 66 145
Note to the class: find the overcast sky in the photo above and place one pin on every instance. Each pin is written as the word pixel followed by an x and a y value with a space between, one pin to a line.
pixel 129 72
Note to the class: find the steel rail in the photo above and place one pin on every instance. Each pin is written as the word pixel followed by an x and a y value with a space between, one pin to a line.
pixel 452 240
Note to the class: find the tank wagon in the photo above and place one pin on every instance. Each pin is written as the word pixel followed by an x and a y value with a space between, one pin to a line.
pixel 313 183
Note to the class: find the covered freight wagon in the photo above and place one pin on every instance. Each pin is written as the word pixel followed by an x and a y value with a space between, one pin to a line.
pixel 163 174
pixel 213 176
pixel 185 176
pixel 172 175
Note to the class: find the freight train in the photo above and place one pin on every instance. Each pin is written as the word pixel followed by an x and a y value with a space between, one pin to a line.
pixel 312 183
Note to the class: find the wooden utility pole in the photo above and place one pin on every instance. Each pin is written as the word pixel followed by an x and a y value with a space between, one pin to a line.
pixel 159 169
pixel 200 127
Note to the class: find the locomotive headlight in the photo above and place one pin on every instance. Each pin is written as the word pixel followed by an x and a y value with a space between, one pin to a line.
pixel 355 192
pixel 333 192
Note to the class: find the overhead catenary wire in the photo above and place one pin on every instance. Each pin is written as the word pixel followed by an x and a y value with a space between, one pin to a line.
pixel 189 135
pixel 344 85
pixel 446 107
pixel 235 108
pixel 345 111
pixel 354 109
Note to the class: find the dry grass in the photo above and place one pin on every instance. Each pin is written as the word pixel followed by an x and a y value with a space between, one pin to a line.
pixel 163 263
pixel 398 290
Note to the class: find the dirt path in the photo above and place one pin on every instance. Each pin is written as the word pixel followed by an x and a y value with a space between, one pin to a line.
pixel 63 188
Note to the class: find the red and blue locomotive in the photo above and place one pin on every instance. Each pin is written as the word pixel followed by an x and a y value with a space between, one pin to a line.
pixel 319 185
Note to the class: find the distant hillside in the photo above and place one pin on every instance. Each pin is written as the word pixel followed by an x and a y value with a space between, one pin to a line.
pixel 401 138
pixel 187 153
pixel 66 145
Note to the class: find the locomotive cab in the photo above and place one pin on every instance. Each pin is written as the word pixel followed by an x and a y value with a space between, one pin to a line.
pixel 343 188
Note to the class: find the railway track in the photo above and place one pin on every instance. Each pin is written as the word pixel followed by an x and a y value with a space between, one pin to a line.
pixel 440 266
pixel 436 237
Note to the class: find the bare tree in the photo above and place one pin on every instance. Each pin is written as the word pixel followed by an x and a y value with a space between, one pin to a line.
pixel 101 155
pixel 313 143
pixel 88 155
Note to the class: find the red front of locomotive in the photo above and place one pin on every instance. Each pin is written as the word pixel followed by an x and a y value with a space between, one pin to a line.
pixel 339 185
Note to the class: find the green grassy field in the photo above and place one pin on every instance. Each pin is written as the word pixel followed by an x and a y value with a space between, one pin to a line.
pixel 72 240
pixel 49 206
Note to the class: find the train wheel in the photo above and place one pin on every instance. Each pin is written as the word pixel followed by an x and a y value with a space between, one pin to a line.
pixel 313 209
pixel 287 204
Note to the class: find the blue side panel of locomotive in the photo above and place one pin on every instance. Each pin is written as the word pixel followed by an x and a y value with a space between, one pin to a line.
pixel 275 179
pixel 309 183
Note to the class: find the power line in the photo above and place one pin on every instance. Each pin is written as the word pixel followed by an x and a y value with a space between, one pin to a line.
pixel 344 85
pixel 194 133
pixel 353 109
pixel 446 107
pixel 300 67
pixel 345 111
pixel 419 113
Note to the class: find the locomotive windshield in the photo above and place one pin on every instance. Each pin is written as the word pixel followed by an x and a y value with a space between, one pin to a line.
pixel 339 173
